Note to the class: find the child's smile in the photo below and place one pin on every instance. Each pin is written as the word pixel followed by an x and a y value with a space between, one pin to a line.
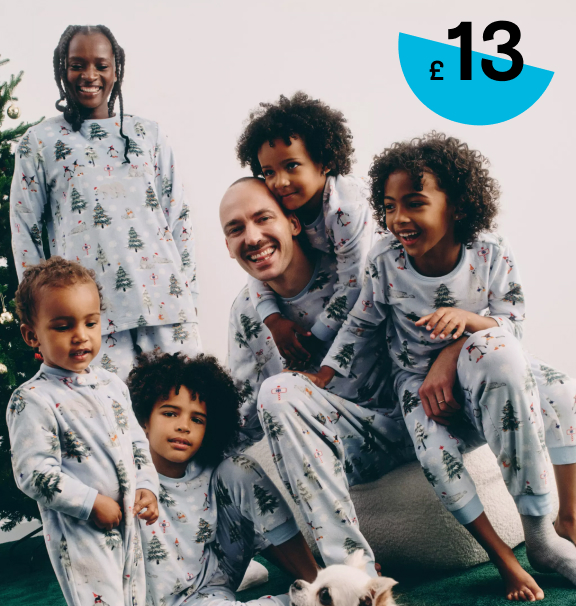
pixel 423 221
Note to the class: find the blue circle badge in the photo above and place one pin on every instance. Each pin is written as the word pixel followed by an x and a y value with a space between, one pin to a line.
pixel 469 87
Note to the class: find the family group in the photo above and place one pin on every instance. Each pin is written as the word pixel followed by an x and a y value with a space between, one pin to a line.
pixel 381 323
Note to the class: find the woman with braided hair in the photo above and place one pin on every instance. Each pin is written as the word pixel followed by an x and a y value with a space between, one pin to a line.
pixel 108 189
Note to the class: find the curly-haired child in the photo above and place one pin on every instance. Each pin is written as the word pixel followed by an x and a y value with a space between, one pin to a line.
pixel 74 439
pixel 436 276
pixel 215 513
pixel 303 150
pixel 108 188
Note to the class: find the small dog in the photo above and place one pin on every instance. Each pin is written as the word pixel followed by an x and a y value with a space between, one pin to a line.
pixel 344 585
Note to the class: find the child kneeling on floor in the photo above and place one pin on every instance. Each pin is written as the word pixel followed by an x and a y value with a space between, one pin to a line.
pixel 215 512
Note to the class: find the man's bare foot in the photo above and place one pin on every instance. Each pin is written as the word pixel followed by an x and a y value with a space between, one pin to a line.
pixel 566 528
pixel 519 585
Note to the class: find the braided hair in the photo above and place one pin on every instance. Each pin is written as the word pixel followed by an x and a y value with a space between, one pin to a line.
pixel 72 110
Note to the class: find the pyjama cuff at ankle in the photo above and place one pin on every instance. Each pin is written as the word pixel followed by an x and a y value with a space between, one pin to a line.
pixel 470 511
pixel 563 455
pixel 534 505
pixel 283 533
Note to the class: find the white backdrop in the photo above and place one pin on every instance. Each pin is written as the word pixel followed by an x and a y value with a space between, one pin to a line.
pixel 198 67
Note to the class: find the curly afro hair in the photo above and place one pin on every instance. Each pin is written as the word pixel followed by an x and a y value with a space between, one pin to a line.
pixel 460 172
pixel 324 131
pixel 156 374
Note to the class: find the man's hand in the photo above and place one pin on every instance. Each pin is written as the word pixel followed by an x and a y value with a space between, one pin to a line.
pixel 436 391
pixel 106 513
pixel 320 378
pixel 446 320
pixel 284 333
pixel 145 499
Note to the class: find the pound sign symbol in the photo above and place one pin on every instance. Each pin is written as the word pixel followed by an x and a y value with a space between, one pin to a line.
pixel 434 70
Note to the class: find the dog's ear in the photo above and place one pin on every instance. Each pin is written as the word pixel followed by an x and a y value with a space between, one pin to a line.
pixel 356 560
pixel 381 590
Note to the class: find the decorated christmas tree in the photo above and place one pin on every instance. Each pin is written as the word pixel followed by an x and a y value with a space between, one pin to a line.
pixel 529 380
pixel 509 419
pixel 123 481
pixel 444 297
pixel 246 464
pixel 74 448
pixel 252 328
pixel 405 355
pixel 36 235
pixel 305 494
pixel 101 258
pixel 112 538
pixel 430 476
pixel 421 435
pixel 267 503
pixel 46 484
pixel 24 149
pixel 338 309
pixel 337 467
pixel 78 202
pixel 147 300
pixel 61 150
pixel 185 212
pixel 309 472
pixel 134 240
pixel 186 261
pixel 452 466
pixel 101 219
pixel 120 416
pixel 133 148
pixel 273 427
pixel 204 533
pixel 320 282
pixel 156 551
pixel 97 132
pixel 247 391
pixel 151 199
pixel 351 546
pixel 552 376
pixel 165 497
pixel 409 402
pixel 179 334
pixel 141 321
pixel 175 289
pixel 222 495
pixel 515 294
pixel 123 280
pixel 345 355
pixel 107 364
pixel 140 457
pixel 166 187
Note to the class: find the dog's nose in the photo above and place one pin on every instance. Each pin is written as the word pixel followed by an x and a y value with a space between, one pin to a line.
pixel 297 585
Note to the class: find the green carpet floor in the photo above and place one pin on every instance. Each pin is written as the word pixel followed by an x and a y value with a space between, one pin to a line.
pixel 31 583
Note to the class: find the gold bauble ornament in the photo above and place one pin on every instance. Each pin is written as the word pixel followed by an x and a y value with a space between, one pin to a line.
pixel 13 112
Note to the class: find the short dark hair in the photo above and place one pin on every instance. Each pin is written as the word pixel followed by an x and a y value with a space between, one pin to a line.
pixel 461 173
pixel 156 374
pixel 55 272
pixel 324 131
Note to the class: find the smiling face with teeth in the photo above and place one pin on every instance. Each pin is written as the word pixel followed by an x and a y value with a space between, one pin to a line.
pixel 175 430
pixel 66 326
pixel 91 72
pixel 423 221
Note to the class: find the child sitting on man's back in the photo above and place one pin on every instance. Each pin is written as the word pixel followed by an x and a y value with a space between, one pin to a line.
pixel 215 514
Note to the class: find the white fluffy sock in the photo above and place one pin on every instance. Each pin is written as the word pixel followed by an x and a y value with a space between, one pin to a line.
pixel 546 551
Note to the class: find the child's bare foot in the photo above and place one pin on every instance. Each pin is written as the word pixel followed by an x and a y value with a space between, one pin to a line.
pixel 519 585
pixel 566 528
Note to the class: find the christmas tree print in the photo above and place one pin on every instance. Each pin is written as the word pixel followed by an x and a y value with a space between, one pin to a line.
pixel 107 364
pixel 515 294
pixel 156 551
pixel 17 402
pixel 337 467
pixel 295 497
pixel 444 298
pixel 178 587
pixel 120 416
pixel 345 355
pixel 133 148
pixel 101 257
pixel 235 533
pixel 78 202
pixel 320 282
pixel 123 280
pixel 123 482
pixel 151 199
pixel 141 322
pixel 166 187
pixel 186 261
pixel 185 212
pixel 65 556
pixel 305 494
pixel 452 466
pixel 53 440
pixel 179 334
pixel 204 533
pixel 138 555
pixel 252 328
pixel 405 356
pixel 273 427
pixel 134 240
pixel 112 539
pixel 147 300
pixel 420 434
pixel 165 497
pixel 46 484
pixel 430 476
pixel 246 464
pixel 337 310
pixel 97 132
pixel 529 380
pixel 222 495
pixel 175 289
pixel 247 391
pixel 509 419
pixel 36 235
pixel 101 219
pixel 91 154
pixel 267 503
pixel 372 270
pixel 58 212
pixel 74 447
pixel 309 472
pixel 61 150
pixel 239 338
pixel 139 130
pixel 351 546
pixel 552 376
pixel 24 149
pixel 140 457
pixel 409 402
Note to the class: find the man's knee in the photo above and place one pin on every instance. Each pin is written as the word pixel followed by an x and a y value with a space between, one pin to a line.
pixel 279 391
